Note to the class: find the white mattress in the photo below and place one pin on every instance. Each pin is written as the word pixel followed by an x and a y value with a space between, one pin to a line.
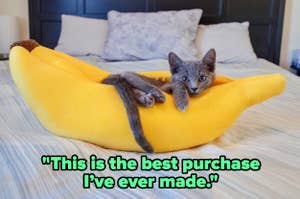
pixel 269 131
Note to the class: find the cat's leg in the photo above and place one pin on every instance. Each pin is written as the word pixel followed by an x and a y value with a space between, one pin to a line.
pixel 143 98
pixel 180 95
pixel 167 87
pixel 141 84
pixel 179 92
pixel 140 97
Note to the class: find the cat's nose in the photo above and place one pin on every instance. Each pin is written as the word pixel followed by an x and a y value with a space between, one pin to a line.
pixel 194 89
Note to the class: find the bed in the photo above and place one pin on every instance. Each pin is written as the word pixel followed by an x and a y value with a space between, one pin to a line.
pixel 269 131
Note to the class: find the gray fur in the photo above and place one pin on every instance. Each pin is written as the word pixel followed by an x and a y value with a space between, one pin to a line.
pixel 129 100
pixel 189 78
pixel 195 76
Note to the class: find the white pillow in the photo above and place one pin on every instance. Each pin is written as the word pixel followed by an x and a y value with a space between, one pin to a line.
pixel 230 40
pixel 82 36
pixel 152 35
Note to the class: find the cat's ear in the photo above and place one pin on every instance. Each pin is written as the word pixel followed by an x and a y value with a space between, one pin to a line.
pixel 175 62
pixel 210 59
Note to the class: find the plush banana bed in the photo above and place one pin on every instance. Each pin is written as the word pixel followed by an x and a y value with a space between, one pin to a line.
pixel 65 94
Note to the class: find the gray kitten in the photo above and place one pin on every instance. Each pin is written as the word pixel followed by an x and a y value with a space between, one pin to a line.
pixel 189 78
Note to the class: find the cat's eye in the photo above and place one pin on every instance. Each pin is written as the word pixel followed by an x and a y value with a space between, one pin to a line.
pixel 184 78
pixel 202 78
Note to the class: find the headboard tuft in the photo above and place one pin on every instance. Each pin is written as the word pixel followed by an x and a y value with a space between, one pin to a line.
pixel 265 17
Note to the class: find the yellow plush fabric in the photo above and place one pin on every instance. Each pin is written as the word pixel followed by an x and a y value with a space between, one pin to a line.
pixel 66 96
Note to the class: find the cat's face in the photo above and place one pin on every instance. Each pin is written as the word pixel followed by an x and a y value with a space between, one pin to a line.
pixel 195 75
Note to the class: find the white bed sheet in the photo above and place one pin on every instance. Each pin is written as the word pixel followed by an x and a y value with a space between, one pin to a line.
pixel 269 131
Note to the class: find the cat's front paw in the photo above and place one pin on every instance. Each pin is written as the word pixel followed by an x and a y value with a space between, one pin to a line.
pixel 182 106
pixel 181 100
pixel 147 100
pixel 158 95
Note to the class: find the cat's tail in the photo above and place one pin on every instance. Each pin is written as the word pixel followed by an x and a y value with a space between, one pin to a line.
pixel 127 95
